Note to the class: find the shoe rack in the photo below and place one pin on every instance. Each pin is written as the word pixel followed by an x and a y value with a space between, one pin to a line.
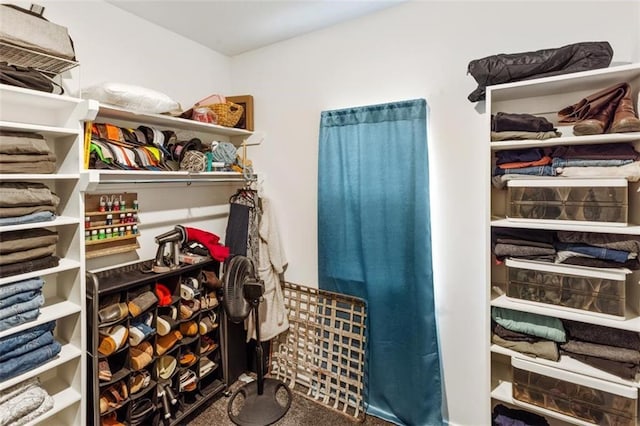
pixel 59 119
pixel 544 97
pixel 184 369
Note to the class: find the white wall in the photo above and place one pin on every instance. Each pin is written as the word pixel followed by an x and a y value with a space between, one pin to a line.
pixel 419 49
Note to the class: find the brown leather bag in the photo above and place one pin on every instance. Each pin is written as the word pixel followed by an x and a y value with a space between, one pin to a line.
pixel 592 104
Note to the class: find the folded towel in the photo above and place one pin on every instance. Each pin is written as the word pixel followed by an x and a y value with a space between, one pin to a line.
pixel 525 322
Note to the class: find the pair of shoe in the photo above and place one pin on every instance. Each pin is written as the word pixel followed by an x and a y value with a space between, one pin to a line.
pixel 140 356
pixel 188 380
pixel 141 409
pixel 206 366
pixel 165 366
pixel 208 323
pixel 113 313
pixel 113 397
pixel 139 381
pixel 189 328
pixel 104 371
pixel 608 111
pixel 187 359
pixel 141 330
pixel 164 325
pixel 188 308
pixel 112 339
pixel 141 303
pixel 207 345
pixel 210 300
pixel 165 343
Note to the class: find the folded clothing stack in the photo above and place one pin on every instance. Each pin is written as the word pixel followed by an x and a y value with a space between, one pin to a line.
pixel 24 402
pixel 532 334
pixel 20 302
pixel 25 152
pixel 509 126
pixel 600 250
pixel 24 351
pixel 504 416
pixel 23 246
pixel 609 349
pixel 26 202
pixel 523 244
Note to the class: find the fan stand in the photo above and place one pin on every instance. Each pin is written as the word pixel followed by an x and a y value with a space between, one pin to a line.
pixel 261 407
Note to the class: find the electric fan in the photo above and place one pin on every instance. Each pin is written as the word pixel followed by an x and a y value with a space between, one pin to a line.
pixel 266 400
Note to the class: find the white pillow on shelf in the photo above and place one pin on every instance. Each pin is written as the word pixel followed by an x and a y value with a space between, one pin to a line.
pixel 131 97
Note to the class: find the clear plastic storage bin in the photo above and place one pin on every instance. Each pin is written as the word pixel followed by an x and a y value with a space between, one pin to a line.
pixel 582 397
pixel 591 290
pixel 590 201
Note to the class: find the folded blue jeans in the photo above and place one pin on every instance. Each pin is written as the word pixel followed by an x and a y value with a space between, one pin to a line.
pixel 18 365
pixel 597 252
pixel 571 162
pixel 42 340
pixel 9 290
pixel 28 218
pixel 25 296
pixel 10 343
pixel 18 319
pixel 21 307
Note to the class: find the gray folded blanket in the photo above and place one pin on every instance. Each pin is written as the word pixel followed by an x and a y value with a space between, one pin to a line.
pixel 602 351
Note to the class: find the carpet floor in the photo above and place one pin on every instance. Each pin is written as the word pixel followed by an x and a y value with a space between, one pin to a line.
pixel 303 412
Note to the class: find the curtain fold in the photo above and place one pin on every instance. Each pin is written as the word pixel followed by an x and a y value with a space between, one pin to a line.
pixel 374 242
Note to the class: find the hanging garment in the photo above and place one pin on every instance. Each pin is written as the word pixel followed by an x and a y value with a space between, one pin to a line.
pixel 272 264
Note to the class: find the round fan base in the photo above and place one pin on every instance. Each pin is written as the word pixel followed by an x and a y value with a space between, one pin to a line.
pixel 259 410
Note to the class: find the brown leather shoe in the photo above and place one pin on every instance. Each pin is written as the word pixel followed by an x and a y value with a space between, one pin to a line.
pixel 597 124
pixel 625 118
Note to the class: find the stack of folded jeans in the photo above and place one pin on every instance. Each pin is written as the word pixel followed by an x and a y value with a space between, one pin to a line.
pixel 597 161
pixel 20 302
pixel 26 202
pixel 19 247
pixel 529 162
pixel 23 403
pixel 25 152
pixel 600 250
pixel 24 351
pixel 609 349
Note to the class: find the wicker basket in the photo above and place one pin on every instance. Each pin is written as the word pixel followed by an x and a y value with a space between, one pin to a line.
pixel 228 113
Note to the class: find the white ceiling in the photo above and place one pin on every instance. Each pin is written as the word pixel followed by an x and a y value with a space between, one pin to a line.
pixel 232 27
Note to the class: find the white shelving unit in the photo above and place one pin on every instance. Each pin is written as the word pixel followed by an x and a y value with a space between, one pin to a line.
pixel 544 97
pixel 60 120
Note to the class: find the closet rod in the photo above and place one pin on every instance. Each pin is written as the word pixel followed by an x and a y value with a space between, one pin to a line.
pixel 132 181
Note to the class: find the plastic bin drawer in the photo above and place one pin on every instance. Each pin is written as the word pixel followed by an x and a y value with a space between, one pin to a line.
pixel 598 202
pixel 582 397
pixel 588 290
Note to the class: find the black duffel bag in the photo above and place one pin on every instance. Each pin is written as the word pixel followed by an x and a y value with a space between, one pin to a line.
pixel 28 78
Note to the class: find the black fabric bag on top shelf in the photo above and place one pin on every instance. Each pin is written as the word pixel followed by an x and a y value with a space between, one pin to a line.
pixel 27 78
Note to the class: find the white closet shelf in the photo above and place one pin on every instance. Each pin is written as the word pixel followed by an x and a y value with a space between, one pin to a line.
pixel 38 176
pixel 55 308
pixel 92 178
pixel 43 130
pixel 569 364
pixel 167 122
pixel 67 353
pixel 19 95
pixel 503 393
pixel 64 265
pixel 58 221
pixel 632 323
pixel 566 226
pixel 566 140
pixel 63 397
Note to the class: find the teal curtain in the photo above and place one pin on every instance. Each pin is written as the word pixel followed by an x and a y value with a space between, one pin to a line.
pixel 374 242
